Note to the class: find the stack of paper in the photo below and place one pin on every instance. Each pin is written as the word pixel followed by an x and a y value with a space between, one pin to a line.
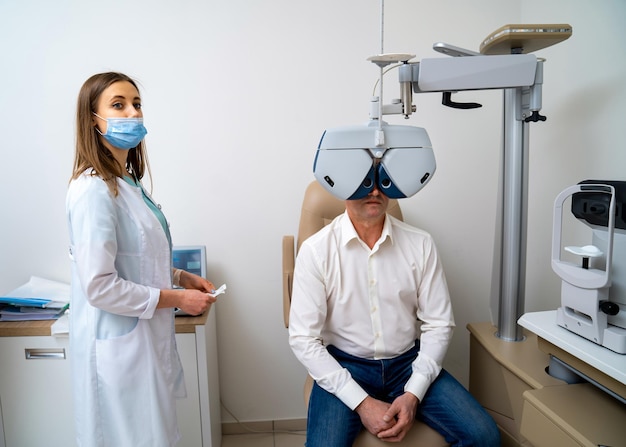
pixel 38 299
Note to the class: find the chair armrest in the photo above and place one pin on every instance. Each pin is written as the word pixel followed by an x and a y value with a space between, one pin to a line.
pixel 289 261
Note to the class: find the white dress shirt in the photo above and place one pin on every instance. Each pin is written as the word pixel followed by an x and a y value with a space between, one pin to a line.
pixel 369 303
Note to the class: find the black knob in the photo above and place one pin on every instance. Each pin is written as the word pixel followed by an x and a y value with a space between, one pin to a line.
pixel 609 307
pixel 534 117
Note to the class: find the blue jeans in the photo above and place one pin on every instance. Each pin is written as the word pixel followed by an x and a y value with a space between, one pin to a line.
pixel 447 407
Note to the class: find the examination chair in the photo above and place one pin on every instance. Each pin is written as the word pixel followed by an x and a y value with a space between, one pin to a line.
pixel 319 207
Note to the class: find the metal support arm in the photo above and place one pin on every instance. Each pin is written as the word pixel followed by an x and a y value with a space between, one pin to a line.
pixel 520 76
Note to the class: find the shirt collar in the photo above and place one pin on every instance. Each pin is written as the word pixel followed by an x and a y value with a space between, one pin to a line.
pixel 348 232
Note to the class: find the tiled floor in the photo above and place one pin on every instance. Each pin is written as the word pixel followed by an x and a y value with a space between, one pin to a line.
pixel 283 433
pixel 264 440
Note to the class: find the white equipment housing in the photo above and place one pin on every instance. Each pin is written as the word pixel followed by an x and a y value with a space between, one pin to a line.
pixel 593 299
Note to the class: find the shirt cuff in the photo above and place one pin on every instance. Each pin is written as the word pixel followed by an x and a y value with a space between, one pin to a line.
pixel 152 304
pixel 417 385
pixel 176 277
pixel 352 394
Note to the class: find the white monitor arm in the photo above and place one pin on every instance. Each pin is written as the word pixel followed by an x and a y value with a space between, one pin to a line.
pixel 521 77
pixel 476 72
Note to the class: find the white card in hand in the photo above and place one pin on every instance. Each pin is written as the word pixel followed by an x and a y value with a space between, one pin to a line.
pixel 219 291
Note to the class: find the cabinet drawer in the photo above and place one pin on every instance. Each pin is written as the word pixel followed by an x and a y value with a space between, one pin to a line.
pixel 573 415
pixel 35 391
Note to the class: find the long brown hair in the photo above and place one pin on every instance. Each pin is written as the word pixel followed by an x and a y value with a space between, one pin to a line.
pixel 90 152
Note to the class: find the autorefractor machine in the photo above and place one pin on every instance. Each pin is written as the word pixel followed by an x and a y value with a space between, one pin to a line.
pixel 593 288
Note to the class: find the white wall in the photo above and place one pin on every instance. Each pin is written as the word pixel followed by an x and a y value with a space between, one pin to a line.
pixel 584 97
pixel 236 96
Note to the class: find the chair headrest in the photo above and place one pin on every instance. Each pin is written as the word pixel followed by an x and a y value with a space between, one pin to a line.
pixel 319 208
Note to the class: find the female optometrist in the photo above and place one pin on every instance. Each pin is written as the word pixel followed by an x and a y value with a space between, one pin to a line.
pixel 125 366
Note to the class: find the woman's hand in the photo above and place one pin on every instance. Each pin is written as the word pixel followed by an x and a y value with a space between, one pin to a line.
pixel 191 281
pixel 194 302
pixel 193 299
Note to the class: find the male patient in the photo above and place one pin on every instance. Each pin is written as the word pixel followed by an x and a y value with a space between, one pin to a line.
pixel 361 287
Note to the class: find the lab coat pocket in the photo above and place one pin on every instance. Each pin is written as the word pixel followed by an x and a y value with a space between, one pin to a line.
pixel 119 365
pixel 110 325
pixel 124 387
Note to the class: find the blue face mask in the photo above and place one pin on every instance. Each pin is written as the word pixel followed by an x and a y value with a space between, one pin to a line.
pixel 123 133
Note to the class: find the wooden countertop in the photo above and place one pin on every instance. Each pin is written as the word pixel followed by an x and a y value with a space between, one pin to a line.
pixel 522 358
pixel 606 367
pixel 184 325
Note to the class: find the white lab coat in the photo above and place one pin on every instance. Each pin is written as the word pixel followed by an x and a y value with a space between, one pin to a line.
pixel 125 367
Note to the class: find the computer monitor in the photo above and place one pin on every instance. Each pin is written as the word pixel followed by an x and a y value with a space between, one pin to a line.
pixel 191 258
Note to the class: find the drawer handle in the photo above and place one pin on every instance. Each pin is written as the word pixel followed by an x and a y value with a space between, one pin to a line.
pixel 44 353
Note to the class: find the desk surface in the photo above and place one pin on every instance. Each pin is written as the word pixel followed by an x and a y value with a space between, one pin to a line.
pixel 184 325
pixel 544 325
